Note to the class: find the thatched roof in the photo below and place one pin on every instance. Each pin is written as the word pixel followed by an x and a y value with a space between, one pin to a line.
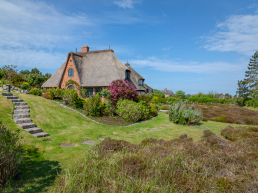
pixel 167 92
pixel 96 68
pixel 135 77
pixel 150 90
pixel 55 79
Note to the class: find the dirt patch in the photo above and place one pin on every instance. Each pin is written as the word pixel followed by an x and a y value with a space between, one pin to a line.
pixel 228 114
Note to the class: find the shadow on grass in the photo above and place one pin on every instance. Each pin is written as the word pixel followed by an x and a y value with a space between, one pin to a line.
pixel 35 173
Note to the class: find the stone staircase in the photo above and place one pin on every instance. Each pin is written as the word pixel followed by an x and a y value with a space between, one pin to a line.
pixel 21 116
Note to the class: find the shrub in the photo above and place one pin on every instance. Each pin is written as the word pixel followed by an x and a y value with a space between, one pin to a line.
pixel 182 113
pixel 164 107
pixel 46 95
pixel 94 107
pixel 71 96
pixel 155 100
pixel 36 91
pixel 106 93
pixel 131 111
pixel 122 89
pixel 153 110
pixel 56 92
pixel 225 119
pixel 145 97
pixel 10 154
pixel 180 94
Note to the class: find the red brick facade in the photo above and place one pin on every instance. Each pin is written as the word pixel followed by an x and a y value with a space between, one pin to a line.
pixel 65 78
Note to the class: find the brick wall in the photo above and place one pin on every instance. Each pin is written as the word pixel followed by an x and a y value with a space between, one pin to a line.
pixel 65 78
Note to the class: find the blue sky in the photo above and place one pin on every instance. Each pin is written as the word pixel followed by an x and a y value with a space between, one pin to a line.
pixel 194 46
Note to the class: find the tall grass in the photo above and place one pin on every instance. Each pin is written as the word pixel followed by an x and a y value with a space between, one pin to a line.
pixel 180 165
pixel 10 155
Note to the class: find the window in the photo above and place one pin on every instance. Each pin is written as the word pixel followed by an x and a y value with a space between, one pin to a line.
pixel 147 90
pixel 70 72
pixel 140 82
pixel 89 92
pixel 141 92
pixel 70 60
pixel 98 90
pixel 127 75
pixel 71 87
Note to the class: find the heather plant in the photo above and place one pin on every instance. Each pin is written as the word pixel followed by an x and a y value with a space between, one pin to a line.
pixel 182 113
pixel 122 89
pixel 10 154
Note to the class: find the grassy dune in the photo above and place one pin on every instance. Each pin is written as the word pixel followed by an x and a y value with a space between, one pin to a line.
pixel 45 158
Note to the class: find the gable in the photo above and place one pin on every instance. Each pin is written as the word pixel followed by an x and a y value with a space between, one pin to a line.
pixel 70 65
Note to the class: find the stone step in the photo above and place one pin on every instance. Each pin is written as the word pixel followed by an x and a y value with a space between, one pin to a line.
pixel 19 103
pixel 22 121
pixel 22 107
pixel 20 116
pixel 21 111
pixel 7 94
pixel 40 134
pixel 27 125
pixel 12 97
pixel 33 130
pixel 16 100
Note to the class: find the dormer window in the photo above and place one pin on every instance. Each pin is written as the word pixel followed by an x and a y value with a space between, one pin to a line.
pixel 70 60
pixel 141 82
pixel 70 72
pixel 127 75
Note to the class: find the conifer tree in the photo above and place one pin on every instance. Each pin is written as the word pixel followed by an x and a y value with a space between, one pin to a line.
pixel 247 86
pixel 252 73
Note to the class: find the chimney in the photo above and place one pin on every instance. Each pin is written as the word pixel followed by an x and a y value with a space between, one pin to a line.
pixel 85 49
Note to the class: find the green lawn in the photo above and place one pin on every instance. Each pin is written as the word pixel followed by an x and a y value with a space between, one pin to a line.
pixel 44 159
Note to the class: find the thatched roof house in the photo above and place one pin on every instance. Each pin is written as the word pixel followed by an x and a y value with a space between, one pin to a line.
pixel 167 93
pixel 94 70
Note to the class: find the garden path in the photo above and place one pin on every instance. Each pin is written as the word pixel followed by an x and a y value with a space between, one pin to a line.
pixel 21 116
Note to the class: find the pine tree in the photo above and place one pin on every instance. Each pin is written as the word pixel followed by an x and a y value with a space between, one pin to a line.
pixel 252 73
pixel 242 89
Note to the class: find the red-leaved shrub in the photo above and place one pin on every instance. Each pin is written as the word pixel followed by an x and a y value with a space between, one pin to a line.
pixel 46 95
pixel 122 89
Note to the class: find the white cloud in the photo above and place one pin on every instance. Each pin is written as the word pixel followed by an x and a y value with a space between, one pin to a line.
pixel 239 33
pixel 192 66
pixel 126 3
pixel 167 48
pixel 32 58
pixel 28 24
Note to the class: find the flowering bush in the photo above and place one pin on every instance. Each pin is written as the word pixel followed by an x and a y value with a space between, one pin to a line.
pixel 122 89
pixel 182 113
